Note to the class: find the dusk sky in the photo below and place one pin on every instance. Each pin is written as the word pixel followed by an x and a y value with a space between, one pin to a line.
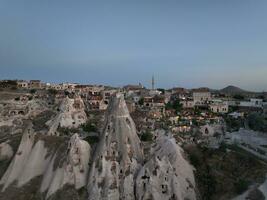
pixel 190 43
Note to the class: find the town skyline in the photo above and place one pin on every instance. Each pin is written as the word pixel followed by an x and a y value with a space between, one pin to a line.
pixel 151 86
pixel 189 44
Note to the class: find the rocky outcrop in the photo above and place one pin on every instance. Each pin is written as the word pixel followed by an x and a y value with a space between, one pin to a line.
pixel 57 165
pixel 118 157
pixel 20 161
pixel 48 165
pixel 167 175
pixel 71 115
pixel 6 151
pixel 71 170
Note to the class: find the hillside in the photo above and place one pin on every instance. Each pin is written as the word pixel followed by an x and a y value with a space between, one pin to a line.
pixel 232 90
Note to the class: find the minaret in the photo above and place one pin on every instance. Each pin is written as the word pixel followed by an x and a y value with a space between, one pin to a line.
pixel 153 83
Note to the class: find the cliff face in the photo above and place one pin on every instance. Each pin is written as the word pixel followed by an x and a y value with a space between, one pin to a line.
pixel 118 157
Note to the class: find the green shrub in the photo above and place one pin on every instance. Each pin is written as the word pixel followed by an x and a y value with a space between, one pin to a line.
pixel 32 91
pixel 147 136
pixel 241 186
pixel 195 160
pixel 141 102
pixel 257 122
pixel 89 127
pixel 92 139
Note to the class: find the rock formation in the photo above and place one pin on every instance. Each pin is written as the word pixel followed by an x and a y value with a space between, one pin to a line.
pixel 72 169
pixel 49 164
pixel 71 115
pixel 167 175
pixel 118 156
pixel 57 165
pixel 6 151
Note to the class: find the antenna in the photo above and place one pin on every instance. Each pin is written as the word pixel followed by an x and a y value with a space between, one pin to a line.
pixel 153 83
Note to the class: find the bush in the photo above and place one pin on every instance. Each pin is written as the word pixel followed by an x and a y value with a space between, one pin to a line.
pixel 66 93
pixel 92 139
pixel 176 105
pixel 195 159
pixel 233 124
pixel 32 91
pixel 239 97
pixel 89 127
pixel 141 102
pixel 241 186
pixel 161 90
pixel 257 122
pixel 147 136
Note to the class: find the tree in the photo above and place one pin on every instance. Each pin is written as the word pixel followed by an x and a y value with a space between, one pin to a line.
pixel 141 101
pixel 161 90
pixel 239 97
pixel 257 122
pixel 176 105
pixel 233 124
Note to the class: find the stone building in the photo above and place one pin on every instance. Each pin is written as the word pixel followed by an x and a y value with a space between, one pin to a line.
pixel 22 84
pixel 219 107
pixel 201 96
pixel 35 84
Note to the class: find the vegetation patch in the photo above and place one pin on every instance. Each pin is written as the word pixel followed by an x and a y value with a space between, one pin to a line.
pixel 89 127
pixel 92 139
pixel 40 120
pixel 146 136
pixel 226 172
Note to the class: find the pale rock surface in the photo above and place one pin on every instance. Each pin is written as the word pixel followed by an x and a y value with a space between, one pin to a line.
pixel 32 159
pixel 6 151
pixel 20 161
pixel 69 116
pixel 73 169
pixel 118 156
pixel 167 175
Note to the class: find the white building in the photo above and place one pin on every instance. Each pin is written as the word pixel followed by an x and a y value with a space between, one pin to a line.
pixel 252 103
pixel 188 103
pixel 201 96
pixel 218 106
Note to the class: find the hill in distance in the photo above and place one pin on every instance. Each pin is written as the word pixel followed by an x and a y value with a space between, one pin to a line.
pixel 233 90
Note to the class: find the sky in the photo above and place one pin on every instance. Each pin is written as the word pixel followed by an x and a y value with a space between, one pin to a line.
pixel 188 43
